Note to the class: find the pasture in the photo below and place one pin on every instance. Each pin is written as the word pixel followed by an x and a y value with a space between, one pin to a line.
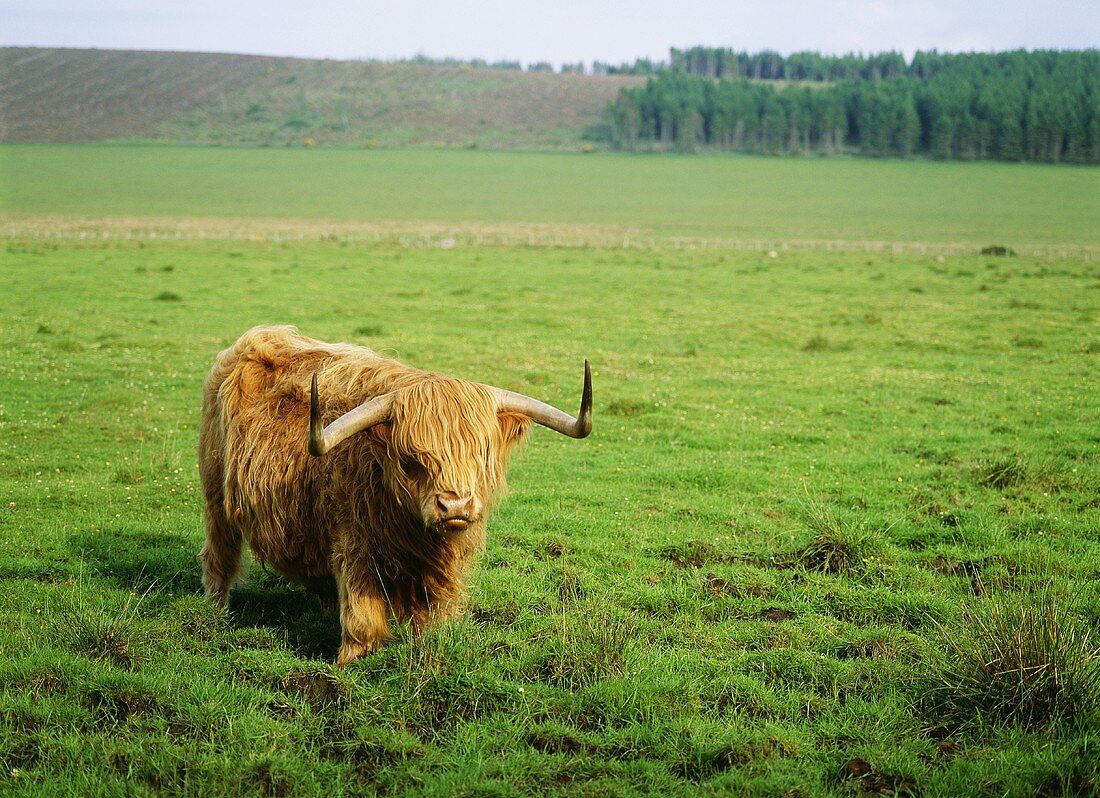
pixel 604 197
pixel 819 483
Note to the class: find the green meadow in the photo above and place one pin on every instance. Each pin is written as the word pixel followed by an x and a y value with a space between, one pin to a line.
pixel 723 197
pixel 836 531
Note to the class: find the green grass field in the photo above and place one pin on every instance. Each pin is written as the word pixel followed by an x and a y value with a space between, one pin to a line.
pixel 729 197
pixel 820 487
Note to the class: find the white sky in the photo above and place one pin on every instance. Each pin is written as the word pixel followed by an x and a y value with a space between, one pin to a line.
pixel 558 31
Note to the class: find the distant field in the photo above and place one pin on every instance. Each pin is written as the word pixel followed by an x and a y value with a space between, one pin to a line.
pixel 72 95
pixel 808 473
pixel 737 198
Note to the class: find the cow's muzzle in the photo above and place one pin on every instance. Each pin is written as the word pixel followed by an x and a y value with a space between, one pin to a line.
pixel 454 512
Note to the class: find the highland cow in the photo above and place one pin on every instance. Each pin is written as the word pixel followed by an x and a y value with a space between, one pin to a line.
pixel 365 480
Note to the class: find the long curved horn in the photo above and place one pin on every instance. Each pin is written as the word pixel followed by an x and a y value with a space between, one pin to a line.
pixel 355 420
pixel 549 416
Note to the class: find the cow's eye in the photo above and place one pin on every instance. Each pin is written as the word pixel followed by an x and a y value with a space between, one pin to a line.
pixel 412 467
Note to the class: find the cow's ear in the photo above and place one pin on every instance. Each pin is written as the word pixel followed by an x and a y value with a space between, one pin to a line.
pixel 513 426
pixel 381 433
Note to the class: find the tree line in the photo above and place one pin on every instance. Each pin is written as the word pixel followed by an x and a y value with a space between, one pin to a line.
pixel 1013 106
pixel 717 62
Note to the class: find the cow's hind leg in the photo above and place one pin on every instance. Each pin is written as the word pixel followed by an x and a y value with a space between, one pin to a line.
pixel 220 555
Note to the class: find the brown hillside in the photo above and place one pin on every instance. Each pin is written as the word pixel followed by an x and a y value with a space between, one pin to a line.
pixel 64 95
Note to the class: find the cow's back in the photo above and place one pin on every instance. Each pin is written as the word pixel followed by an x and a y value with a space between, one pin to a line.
pixel 253 455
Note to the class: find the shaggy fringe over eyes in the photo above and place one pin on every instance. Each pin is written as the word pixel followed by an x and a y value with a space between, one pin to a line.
pixel 452 427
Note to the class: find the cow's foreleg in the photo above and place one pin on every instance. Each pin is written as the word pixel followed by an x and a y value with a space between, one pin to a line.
pixel 363 615
pixel 444 605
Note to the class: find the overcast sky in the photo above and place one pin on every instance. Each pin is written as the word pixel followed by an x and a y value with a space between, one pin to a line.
pixel 558 31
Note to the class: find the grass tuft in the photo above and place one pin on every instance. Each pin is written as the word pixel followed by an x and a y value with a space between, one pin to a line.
pixel 838 544
pixel 118 635
pixel 821 343
pixel 593 645
pixel 316 687
pixel 368 753
pixel 869 780
pixel 627 408
pixel 128 476
pixel 116 703
pixel 827 554
pixel 1026 663
pixel 693 554
pixel 1008 472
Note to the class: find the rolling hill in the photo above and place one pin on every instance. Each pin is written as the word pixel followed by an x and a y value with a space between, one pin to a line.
pixel 80 95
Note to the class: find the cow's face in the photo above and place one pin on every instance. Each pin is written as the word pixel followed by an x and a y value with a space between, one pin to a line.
pixel 446 451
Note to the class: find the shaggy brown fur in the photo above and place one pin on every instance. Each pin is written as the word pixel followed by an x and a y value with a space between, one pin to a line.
pixel 364 523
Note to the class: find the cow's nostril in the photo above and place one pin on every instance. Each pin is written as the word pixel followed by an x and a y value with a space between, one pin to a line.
pixel 451 504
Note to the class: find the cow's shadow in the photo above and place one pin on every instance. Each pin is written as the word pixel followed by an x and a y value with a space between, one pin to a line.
pixel 163 567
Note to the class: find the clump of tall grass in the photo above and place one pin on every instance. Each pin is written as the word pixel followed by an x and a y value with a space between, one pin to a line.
pixel 592 644
pixel 838 545
pixel 443 684
pixel 1028 663
pixel 1009 472
pixel 818 343
pixel 316 687
pixel 829 553
pixel 119 635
